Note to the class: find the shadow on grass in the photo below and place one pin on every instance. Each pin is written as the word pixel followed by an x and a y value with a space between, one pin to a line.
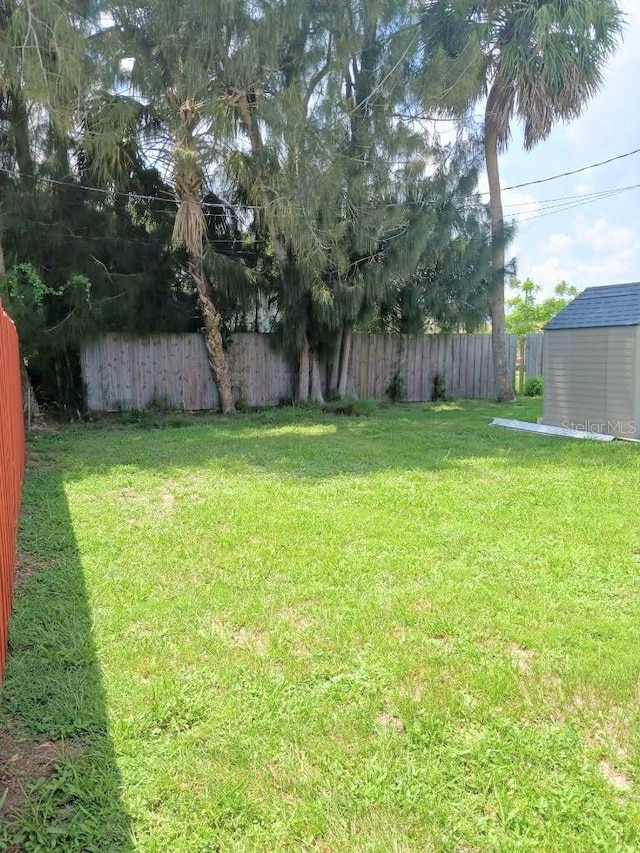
pixel 53 700
pixel 313 446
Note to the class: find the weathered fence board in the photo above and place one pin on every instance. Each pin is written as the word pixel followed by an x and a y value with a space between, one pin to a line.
pixel 173 370
pixel 533 359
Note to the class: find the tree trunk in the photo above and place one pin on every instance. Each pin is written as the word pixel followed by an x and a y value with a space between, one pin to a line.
pixel 345 360
pixel 3 268
pixel 334 376
pixel 213 337
pixel 19 118
pixel 502 379
pixel 190 228
pixel 30 407
pixel 303 373
pixel 316 381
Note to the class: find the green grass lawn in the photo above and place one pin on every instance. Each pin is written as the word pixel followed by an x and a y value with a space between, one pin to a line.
pixel 301 632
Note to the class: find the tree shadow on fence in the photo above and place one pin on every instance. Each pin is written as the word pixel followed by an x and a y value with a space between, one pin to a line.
pixel 58 773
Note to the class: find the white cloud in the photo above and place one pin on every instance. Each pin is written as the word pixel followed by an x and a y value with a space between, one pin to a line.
pixel 550 272
pixel 614 268
pixel 594 253
pixel 559 243
pixel 605 236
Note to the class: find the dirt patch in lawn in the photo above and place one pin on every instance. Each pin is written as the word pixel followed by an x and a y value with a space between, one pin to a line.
pixel 22 762
pixel 521 658
pixel 251 638
pixel 618 780
pixel 387 720
pixel 36 460
pixel 28 564
pixel 295 618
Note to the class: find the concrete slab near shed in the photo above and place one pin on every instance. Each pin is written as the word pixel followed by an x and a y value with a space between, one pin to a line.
pixel 543 429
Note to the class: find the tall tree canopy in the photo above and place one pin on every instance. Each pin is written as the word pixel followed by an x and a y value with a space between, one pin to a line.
pixel 290 108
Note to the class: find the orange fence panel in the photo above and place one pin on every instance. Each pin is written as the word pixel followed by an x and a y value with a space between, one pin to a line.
pixel 12 455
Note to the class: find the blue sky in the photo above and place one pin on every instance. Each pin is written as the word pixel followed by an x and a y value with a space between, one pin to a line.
pixel 597 243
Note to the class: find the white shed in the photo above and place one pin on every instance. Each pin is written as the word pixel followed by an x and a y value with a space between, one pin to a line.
pixel 592 363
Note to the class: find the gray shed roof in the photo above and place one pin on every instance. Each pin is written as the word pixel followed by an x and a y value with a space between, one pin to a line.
pixel 617 305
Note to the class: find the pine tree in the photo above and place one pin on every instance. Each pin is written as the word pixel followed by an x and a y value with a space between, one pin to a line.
pixel 331 169
pixel 42 65
pixel 450 288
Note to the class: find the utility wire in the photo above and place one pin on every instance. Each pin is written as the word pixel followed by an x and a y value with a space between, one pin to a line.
pixel 544 204
pixel 132 196
pixel 549 201
pixel 570 200
pixel 573 172
pixel 100 238
pixel 567 205
pixel 562 209
pixel 74 238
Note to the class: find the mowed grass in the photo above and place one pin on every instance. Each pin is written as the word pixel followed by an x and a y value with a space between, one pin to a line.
pixel 301 632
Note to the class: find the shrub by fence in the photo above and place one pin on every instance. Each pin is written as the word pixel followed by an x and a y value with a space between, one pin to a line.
pixel 11 469
pixel 123 372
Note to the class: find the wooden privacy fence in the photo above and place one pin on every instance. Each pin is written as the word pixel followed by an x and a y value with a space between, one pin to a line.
pixel 533 358
pixel 122 372
pixel 11 469
pixel 529 359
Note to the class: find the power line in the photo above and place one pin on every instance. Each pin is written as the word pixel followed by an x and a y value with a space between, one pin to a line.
pixel 550 204
pixel 559 208
pixel 574 205
pixel 100 238
pixel 570 203
pixel 567 174
pixel 129 195
pixel 542 203
pixel 515 206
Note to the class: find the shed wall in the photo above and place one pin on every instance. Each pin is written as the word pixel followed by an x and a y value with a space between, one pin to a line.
pixel 637 407
pixel 591 379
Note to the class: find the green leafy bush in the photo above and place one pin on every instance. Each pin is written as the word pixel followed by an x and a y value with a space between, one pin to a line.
pixel 396 389
pixel 350 407
pixel 439 390
pixel 534 387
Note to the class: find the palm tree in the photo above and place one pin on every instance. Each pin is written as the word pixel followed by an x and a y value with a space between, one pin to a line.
pixel 174 78
pixel 539 61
